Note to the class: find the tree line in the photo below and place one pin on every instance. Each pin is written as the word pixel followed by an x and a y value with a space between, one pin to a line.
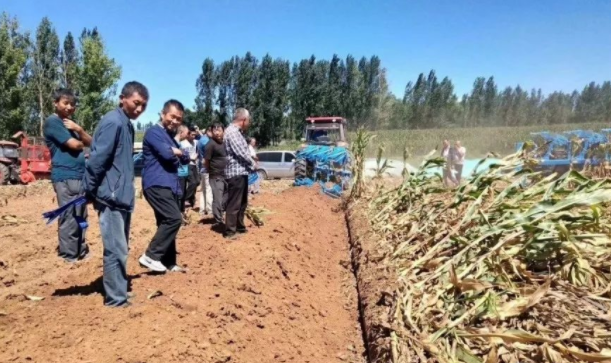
pixel 33 66
pixel 280 96
pixel 430 103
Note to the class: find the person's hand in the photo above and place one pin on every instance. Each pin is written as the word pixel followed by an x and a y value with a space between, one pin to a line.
pixel 72 126
pixel 177 152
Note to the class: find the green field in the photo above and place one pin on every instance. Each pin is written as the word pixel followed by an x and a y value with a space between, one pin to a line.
pixel 478 141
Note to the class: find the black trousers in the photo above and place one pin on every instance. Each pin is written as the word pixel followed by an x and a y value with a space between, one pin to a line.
pixel 189 187
pixel 237 201
pixel 169 219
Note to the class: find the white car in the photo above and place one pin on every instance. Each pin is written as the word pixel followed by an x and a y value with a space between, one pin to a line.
pixel 276 164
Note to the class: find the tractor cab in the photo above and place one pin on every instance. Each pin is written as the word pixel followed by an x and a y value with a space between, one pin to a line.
pixel 330 131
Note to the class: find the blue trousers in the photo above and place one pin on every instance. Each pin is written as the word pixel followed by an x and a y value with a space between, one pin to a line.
pixel 114 228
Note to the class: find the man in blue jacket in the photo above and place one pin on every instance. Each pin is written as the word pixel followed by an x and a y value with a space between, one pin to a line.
pixel 109 183
pixel 161 187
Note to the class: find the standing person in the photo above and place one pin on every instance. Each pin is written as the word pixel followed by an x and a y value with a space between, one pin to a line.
pixel 205 198
pixel 161 187
pixel 447 153
pixel 189 146
pixel 215 161
pixel 252 148
pixel 459 159
pixel 109 182
pixel 239 164
pixel 66 140
pixel 181 134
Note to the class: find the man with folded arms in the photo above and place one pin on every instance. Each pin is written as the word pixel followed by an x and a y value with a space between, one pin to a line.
pixel 161 187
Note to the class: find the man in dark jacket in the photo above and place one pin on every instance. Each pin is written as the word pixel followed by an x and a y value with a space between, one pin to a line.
pixel 161 187
pixel 109 183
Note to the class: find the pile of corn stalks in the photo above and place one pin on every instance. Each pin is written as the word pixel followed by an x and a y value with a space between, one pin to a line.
pixel 496 271
pixel 256 215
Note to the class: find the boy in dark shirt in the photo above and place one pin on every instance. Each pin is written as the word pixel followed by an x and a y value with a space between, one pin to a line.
pixel 66 141
pixel 215 160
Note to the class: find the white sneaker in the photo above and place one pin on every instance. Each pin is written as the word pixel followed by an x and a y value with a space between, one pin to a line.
pixel 176 268
pixel 151 264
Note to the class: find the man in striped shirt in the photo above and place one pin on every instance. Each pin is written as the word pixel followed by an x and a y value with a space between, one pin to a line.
pixel 239 165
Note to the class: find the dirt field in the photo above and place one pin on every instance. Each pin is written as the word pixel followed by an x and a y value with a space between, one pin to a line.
pixel 282 293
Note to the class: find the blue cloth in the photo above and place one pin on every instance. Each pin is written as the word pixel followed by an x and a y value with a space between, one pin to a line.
pixel 52 215
pixel 109 173
pixel 66 163
pixel 160 163
pixel 201 150
pixel 252 178
pixel 114 228
pixel 183 171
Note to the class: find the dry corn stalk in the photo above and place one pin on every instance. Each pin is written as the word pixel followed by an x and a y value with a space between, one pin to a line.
pixel 498 271
pixel 255 214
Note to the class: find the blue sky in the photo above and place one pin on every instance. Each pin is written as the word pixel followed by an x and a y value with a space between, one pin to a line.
pixel 554 45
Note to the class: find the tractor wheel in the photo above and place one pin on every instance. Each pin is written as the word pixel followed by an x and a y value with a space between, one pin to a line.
pixel 4 174
pixel 301 166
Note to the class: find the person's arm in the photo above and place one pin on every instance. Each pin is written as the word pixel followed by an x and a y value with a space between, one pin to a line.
pixel 159 146
pixel 207 157
pixel 101 155
pixel 238 145
pixel 73 126
pixel 59 134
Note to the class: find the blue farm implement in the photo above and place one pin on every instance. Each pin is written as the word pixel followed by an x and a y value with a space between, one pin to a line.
pixel 324 158
pixel 576 150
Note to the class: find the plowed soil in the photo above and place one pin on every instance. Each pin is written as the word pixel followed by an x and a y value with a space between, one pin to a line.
pixel 282 293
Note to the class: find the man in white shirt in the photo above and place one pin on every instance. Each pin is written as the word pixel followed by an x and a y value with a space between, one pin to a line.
pixel 188 146
pixel 459 159
pixel 448 178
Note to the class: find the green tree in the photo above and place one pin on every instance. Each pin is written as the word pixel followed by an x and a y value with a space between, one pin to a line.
pixel 477 102
pixel 245 80
pixel 13 57
pixel 224 77
pixel 490 101
pixel 557 108
pixel 333 94
pixel 206 86
pixel 589 107
pixel 69 60
pixel 97 82
pixel 352 91
pixel 270 100
pixel 417 102
pixel 505 107
pixel 45 69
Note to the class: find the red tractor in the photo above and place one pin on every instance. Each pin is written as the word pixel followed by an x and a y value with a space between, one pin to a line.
pixel 24 163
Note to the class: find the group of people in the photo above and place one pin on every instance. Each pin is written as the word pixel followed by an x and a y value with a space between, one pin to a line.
pixel 455 160
pixel 174 164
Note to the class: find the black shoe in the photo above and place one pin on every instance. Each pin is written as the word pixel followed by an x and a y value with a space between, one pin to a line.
pixel 242 231
pixel 230 237
pixel 218 227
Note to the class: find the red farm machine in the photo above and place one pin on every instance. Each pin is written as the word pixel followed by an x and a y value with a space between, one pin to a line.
pixel 24 162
